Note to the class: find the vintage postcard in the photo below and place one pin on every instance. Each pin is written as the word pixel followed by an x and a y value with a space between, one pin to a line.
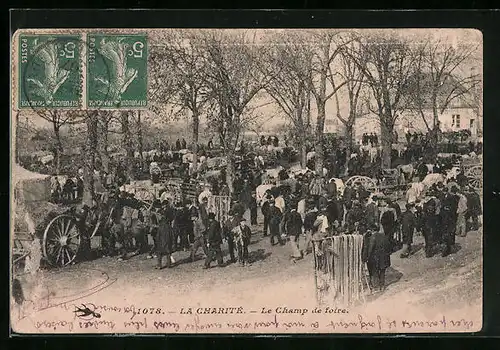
pixel 261 181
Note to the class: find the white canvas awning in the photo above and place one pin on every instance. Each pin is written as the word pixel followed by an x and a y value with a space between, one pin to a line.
pixel 30 186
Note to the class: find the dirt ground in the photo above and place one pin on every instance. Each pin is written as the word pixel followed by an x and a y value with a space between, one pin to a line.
pixel 417 286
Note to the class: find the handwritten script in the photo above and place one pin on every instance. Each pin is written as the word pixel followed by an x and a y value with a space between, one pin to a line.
pixel 281 319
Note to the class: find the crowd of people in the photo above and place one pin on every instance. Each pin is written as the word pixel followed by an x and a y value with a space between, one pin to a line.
pixel 300 209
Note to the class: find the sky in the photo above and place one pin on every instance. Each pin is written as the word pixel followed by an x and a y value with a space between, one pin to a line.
pixel 271 113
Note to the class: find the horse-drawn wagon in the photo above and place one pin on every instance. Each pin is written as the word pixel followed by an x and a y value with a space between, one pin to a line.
pixel 472 167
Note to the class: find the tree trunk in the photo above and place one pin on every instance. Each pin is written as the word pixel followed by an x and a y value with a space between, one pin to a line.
pixel 140 144
pixel 17 138
pixel 88 166
pixel 196 126
pixel 104 148
pixel 230 173
pixel 303 151
pixel 349 133
pixel 127 144
pixel 59 147
pixel 386 141
pixel 318 146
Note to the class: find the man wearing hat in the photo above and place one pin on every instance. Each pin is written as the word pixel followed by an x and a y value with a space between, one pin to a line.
pixel 449 219
pixel 387 220
pixel 473 207
pixel 242 235
pixel 376 253
pixel 294 230
pixel 214 240
pixel 265 211
pixel 408 225
pixel 227 232
pixel 371 212
pixel 253 209
pixel 275 217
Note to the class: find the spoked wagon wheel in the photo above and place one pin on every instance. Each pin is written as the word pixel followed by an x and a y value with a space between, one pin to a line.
pixel 61 240
pixel 475 175
pixel 368 183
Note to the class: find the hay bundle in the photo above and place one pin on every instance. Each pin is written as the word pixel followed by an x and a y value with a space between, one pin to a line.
pixel 339 269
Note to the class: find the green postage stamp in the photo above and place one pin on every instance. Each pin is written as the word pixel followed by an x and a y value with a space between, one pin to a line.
pixel 49 71
pixel 116 71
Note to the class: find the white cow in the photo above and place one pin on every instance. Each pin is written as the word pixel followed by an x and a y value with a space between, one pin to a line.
pixel 432 179
pixel 260 192
pixel 416 191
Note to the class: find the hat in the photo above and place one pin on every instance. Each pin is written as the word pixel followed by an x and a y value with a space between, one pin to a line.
pixel 243 219
pixel 211 216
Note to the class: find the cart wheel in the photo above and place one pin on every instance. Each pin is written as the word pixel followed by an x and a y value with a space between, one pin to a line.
pixel 475 175
pixel 61 240
pixel 368 183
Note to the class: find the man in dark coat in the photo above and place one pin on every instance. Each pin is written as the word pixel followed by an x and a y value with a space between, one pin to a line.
pixel 372 213
pixel 242 235
pixel 294 230
pixel 397 226
pixel 376 252
pixel 473 207
pixel 214 239
pixel 183 144
pixel 430 225
pixel 275 217
pixel 253 209
pixel 449 219
pixel 408 225
pixel 309 220
pixel 182 225
pixel 334 210
pixel 388 221
pixel 265 212
pixel 177 145
pixel 231 223
pixel 165 235
pixel 348 196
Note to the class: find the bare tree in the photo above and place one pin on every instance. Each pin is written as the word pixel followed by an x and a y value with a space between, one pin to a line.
pixel 321 78
pixel 288 88
pixel 440 80
pixel 57 119
pixel 388 63
pixel 353 76
pixel 234 78
pixel 180 54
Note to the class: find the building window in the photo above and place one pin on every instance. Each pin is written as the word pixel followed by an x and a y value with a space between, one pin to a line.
pixel 455 121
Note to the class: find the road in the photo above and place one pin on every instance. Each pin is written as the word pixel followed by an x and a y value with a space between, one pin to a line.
pixel 424 287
